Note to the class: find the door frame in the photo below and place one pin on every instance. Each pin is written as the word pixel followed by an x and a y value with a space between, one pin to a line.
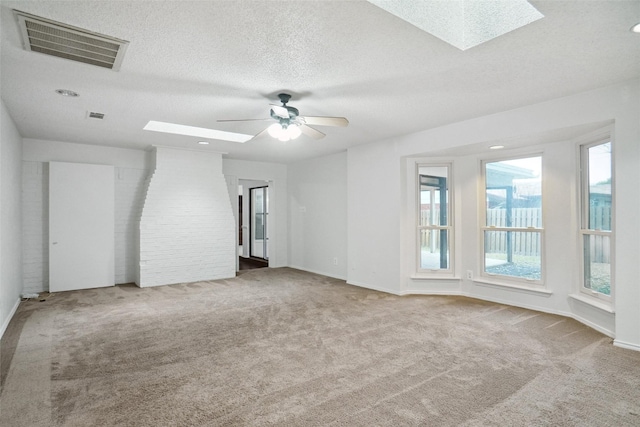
pixel 277 208
pixel 265 222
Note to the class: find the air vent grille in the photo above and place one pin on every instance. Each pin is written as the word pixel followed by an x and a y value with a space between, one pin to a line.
pixel 64 41
pixel 94 115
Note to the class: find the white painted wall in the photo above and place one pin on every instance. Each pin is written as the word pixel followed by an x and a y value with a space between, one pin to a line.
pixel 377 237
pixel 38 150
pixel 187 230
pixel 131 171
pixel 276 174
pixel 10 218
pixel 373 216
pixel 318 215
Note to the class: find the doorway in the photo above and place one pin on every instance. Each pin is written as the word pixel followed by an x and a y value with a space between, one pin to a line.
pixel 259 214
pixel 253 221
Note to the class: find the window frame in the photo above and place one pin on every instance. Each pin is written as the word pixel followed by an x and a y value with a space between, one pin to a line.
pixel 450 270
pixel 583 147
pixel 502 279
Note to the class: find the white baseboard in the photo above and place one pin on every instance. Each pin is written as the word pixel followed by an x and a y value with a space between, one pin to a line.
pixel 626 345
pixel 570 315
pixel 428 292
pixel 527 306
pixel 322 273
pixel 373 288
pixel 5 324
pixel 592 325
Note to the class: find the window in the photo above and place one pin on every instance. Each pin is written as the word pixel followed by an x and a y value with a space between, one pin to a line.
pixel 434 218
pixel 596 227
pixel 512 231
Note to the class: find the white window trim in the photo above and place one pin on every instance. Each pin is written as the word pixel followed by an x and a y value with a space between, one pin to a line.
pixel 499 279
pixel 514 287
pixel 426 274
pixel 593 302
pixel 596 299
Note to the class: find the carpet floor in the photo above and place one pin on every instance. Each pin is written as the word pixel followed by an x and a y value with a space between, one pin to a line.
pixel 282 347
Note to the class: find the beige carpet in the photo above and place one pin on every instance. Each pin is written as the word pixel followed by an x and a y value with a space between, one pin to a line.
pixel 281 347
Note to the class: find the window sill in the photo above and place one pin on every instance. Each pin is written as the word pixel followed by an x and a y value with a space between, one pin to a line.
pixel 520 288
pixel 593 302
pixel 433 277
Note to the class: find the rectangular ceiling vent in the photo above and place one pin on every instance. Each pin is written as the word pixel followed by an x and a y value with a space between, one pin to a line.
pixel 94 115
pixel 64 41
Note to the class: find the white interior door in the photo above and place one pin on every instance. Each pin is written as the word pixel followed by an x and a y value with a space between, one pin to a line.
pixel 81 226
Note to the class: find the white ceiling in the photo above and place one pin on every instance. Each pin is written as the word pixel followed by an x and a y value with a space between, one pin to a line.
pixel 195 62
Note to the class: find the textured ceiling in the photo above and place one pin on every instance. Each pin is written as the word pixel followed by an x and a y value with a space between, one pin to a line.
pixel 197 62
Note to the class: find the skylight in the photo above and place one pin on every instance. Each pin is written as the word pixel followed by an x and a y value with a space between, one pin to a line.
pixel 196 131
pixel 463 23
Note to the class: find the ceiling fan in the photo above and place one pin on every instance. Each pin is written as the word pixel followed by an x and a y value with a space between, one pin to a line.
pixel 290 124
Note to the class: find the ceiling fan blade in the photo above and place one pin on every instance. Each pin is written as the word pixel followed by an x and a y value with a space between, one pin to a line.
pixel 313 133
pixel 280 111
pixel 244 120
pixel 258 135
pixel 325 121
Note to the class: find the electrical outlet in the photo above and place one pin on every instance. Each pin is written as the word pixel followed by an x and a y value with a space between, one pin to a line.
pixel 335 260
pixel 469 275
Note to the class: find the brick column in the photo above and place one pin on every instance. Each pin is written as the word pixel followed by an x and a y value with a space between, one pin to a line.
pixel 187 226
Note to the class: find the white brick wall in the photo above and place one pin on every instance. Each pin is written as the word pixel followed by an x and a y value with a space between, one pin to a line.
pixel 130 188
pixel 35 226
pixel 187 226
pixel 129 192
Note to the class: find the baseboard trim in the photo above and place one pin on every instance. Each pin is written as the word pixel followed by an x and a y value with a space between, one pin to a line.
pixel 322 273
pixel 569 315
pixel 5 324
pixel 373 288
pixel 428 292
pixel 527 306
pixel 592 325
pixel 627 345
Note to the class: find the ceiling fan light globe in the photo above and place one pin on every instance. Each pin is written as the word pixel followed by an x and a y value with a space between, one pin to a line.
pixel 275 130
pixel 284 137
pixel 294 131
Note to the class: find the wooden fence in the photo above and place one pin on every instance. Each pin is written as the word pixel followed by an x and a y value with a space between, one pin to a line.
pixel 599 248
pixel 528 243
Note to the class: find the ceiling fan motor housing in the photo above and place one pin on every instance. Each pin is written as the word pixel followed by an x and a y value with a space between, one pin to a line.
pixel 292 112
pixel 284 97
